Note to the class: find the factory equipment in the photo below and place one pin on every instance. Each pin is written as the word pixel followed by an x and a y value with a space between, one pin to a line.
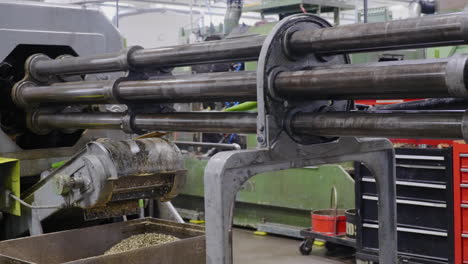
pixel 107 179
pixel 304 91
pixel 104 177
pixel 25 31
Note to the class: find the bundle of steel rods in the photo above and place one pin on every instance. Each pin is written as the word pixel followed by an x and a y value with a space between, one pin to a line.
pixel 440 78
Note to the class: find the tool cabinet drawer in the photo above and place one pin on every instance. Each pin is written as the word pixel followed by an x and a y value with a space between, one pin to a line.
pixel 424 188
pixel 411 241
pixel 419 214
pixel 435 192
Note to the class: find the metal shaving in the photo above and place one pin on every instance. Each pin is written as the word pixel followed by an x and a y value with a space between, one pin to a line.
pixel 140 241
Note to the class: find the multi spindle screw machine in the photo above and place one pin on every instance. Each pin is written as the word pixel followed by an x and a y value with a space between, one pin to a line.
pixel 304 87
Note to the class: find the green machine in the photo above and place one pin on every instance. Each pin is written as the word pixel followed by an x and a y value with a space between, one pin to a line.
pixel 276 202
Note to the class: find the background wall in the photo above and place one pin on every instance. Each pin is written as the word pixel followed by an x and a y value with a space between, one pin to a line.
pixel 449 5
pixel 153 29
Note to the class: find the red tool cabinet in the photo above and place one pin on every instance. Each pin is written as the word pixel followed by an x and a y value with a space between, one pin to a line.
pixel 460 199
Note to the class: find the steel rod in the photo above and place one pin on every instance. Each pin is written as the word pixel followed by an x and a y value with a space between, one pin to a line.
pixel 198 122
pixel 231 86
pixel 78 120
pixel 230 50
pixel 212 87
pixel 427 104
pixel 384 80
pixel 232 146
pixel 441 125
pixel 98 92
pixel 437 125
pixel 428 31
pixel 182 122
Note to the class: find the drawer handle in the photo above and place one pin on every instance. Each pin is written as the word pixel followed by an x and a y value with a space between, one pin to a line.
pixel 419 157
pixel 401 201
pixel 421 167
pixel 409 183
pixel 412 230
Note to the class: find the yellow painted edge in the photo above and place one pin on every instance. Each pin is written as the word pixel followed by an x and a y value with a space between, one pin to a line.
pixel 12 182
pixel 197 222
pixel 260 233
pixel 319 243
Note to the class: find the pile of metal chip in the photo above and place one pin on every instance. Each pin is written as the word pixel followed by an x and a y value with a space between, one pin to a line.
pixel 140 241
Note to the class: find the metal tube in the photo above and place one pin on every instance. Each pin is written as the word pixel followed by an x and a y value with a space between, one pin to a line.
pixel 109 62
pixel 229 50
pixel 405 79
pixel 78 121
pixel 436 125
pixel 99 92
pixel 231 86
pixel 440 125
pixel 232 146
pixel 182 122
pixel 366 10
pixel 212 87
pixel 427 104
pixel 198 122
pixel 428 31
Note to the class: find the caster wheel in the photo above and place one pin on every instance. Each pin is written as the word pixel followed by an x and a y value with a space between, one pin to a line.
pixel 306 247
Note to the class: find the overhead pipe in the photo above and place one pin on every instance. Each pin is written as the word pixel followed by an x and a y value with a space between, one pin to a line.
pixel 233 14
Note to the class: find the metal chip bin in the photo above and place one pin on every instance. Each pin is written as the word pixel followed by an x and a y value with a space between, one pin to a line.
pixel 87 245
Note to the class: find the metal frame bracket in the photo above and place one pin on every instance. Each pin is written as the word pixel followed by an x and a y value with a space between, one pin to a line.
pixel 226 172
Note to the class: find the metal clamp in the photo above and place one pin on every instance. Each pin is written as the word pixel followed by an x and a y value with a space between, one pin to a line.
pixel 455 75
pixel 273 110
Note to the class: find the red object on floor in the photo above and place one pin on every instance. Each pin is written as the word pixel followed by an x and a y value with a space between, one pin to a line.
pixel 329 222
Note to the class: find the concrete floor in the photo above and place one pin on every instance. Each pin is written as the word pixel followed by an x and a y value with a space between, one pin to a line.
pixel 253 249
